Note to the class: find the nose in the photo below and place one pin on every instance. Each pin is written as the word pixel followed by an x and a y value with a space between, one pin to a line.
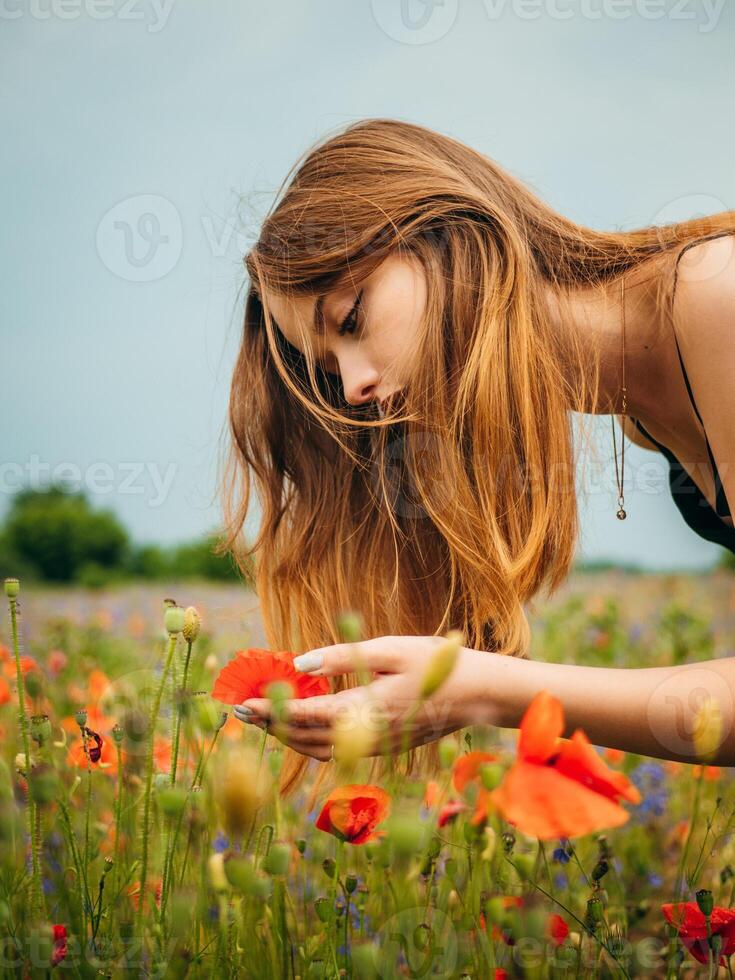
pixel 359 385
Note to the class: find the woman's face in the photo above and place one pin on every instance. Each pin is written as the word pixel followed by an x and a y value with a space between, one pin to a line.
pixel 368 333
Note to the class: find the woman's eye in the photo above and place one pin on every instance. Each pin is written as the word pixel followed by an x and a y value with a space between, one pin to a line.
pixel 349 324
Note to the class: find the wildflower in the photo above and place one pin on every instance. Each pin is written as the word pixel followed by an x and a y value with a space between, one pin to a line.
pixel 153 887
pixel 5 695
pixel 249 672
pixel 59 951
pixel 449 811
pixel 558 787
pixel 353 812
pixel 557 928
pixel 101 752
pixel 466 768
pixel 691 925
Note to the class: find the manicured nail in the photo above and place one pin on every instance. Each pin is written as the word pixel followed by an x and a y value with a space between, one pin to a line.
pixel 307 662
pixel 243 709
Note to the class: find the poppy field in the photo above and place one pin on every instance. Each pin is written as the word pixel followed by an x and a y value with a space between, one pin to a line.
pixel 142 834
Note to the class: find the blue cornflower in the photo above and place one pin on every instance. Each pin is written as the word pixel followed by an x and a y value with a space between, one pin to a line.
pixel 221 843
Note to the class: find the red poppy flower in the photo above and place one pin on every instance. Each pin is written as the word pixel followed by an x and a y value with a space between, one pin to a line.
pixel 449 811
pixel 558 787
pixel 59 951
pixel 557 928
pixel 101 752
pixel 352 813
pixel 689 920
pixel 250 672
pixel 5 696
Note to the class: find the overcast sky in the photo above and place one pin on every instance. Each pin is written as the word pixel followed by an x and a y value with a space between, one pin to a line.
pixel 143 141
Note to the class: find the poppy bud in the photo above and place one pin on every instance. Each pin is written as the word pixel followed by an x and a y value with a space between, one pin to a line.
pixel 171 800
pixel 600 870
pixel 301 845
pixel 491 775
pixel 705 901
pixel 508 842
pixel 80 716
pixel 447 752
pixel 441 665
pixel 118 734
pixel 192 624
pixel 12 587
pixel 594 914
pixel 33 683
pixel 329 865
pixel 350 883
pixel 278 858
pixel 323 909
pixel 350 626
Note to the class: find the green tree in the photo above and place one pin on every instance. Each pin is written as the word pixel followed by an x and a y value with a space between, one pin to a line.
pixel 57 532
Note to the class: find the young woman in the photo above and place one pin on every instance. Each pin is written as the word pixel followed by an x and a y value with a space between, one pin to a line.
pixel 418 330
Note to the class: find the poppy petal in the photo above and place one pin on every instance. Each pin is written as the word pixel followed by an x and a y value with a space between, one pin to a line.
pixel 541 726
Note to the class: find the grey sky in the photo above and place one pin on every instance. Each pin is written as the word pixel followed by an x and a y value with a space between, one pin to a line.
pixel 132 130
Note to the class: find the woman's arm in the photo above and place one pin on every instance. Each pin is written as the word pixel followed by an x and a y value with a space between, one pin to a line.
pixel 648 710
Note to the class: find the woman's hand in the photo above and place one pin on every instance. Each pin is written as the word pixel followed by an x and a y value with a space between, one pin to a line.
pixel 387 706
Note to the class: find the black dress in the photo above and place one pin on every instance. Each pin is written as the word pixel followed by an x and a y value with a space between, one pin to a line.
pixel 694 508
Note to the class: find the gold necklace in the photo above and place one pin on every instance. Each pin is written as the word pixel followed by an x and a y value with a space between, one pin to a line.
pixel 620 513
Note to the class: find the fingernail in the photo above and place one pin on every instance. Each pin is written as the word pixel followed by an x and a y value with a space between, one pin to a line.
pixel 308 661
pixel 243 709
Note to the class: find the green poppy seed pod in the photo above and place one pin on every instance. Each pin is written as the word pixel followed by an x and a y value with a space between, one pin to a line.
pixel 491 775
pixel 107 867
pixel 278 858
pixel 192 624
pixel 350 626
pixel 171 800
pixel 350 883
pixel 240 874
pixel 705 901
pixel 118 733
pixel 441 665
pixel 509 842
pixel 329 865
pixel 173 620
pixel 594 914
pixel 323 910
pixel 44 784
pixel 40 729
pixel 222 721
pixel 12 588
pixel 80 716
pixel 407 835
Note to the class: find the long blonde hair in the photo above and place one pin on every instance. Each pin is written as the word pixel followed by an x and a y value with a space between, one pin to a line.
pixel 458 510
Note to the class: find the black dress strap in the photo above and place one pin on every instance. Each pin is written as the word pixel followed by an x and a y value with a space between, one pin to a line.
pixel 721 505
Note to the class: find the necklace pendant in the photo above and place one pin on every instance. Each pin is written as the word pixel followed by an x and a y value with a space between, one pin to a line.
pixel 620 513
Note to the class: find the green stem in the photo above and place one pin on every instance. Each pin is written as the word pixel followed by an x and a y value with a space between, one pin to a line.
pixel 36 893
pixel 149 781
pixel 177 712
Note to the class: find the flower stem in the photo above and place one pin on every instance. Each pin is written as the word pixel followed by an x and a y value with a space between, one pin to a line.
pixel 36 894
pixel 149 780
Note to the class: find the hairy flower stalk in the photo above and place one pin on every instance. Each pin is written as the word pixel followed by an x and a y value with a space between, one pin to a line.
pixel 174 623
pixel 12 588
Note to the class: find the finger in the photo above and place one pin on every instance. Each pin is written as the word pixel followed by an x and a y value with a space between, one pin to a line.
pixel 382 653
pixel 324 709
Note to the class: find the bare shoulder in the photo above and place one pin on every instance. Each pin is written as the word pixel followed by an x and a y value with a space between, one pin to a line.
pixel 704 307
